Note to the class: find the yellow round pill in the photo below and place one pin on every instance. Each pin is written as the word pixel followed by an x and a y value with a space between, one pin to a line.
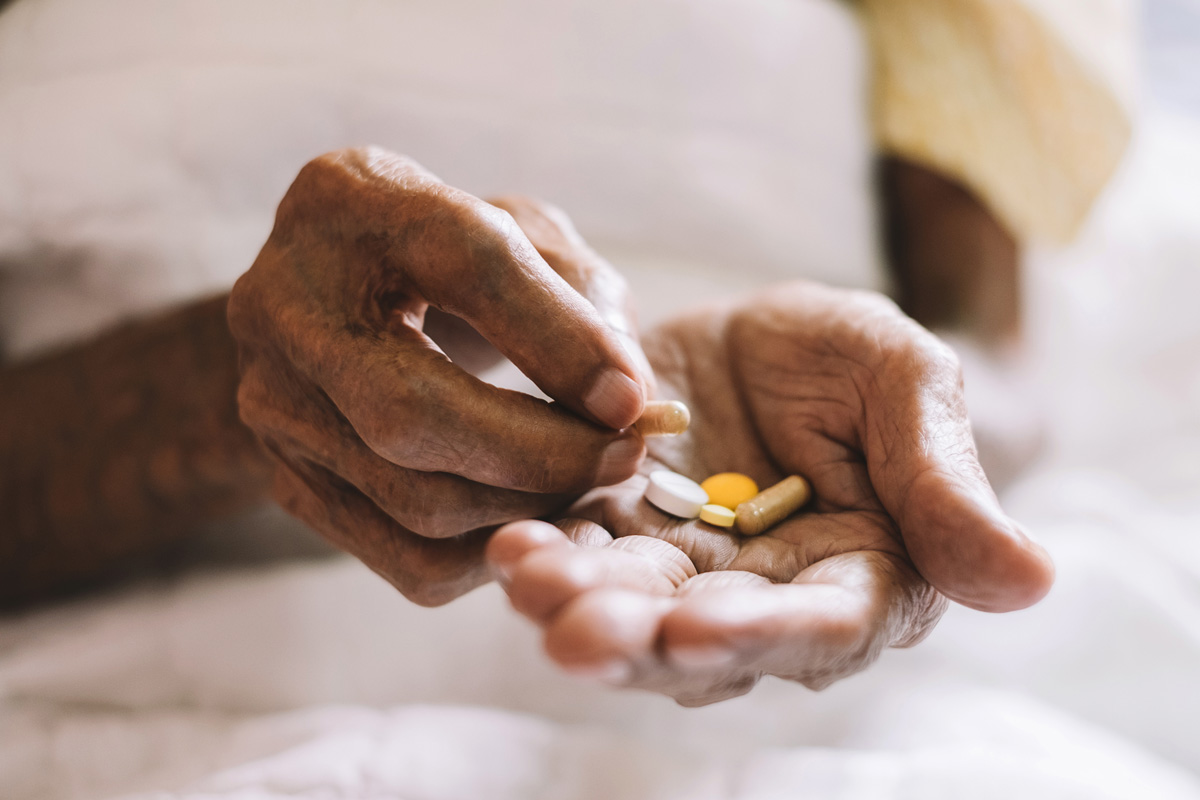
pixel 729 489
pixel 720 516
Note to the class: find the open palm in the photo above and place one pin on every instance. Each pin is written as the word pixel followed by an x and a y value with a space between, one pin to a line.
pixel 838 387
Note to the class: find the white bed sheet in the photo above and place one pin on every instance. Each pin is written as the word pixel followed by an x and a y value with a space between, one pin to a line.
pixel 334 687
pixel 315 680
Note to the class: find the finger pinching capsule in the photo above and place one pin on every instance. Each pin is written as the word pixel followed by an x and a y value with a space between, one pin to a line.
pixel 677 495
pixel 771 506
pixel 663 418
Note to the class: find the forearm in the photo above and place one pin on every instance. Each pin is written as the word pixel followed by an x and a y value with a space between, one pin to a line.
pixel 112 448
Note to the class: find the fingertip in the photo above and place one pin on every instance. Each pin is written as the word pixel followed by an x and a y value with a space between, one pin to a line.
pixel 1022 574
pixel 512 542
pixel 966 547
pixel 545 580
pixel 615 399
pixel 980 558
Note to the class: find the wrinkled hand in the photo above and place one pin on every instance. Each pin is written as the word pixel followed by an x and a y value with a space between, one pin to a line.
pixel 374 271
pixel 836 386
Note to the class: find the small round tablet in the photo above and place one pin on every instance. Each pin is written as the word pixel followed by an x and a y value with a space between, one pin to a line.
pixel 729 489
pixel 717 515
pixel 675 494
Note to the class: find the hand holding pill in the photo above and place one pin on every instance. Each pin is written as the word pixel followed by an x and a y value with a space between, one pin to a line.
pixel 379 289
pixel 840 389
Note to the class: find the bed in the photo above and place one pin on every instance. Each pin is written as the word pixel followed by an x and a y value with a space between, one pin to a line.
pixel 308 677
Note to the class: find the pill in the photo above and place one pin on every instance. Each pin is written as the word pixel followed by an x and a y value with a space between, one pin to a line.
pixel 663 418
pixel 675 494
pixel 729 489
pixel 771 506
pixel 717 515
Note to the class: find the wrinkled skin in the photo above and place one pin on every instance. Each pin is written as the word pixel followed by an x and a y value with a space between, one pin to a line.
pixel 836 386
pixel 377 296
pixel 374 272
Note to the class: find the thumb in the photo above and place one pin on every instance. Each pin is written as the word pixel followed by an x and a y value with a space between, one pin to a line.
pixel 923 463
pixel 490 275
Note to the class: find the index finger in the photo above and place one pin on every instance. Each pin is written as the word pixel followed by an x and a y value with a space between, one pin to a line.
pixel 441 246
pixel 494 278
pixel 551 231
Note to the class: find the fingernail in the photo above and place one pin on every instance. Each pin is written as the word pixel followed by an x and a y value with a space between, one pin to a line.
pixel 614 399
pixel 619 461
pixel 614 672
pixel 702 657
pixel 634 350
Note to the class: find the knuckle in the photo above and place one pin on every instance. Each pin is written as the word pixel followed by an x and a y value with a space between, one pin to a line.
pixel 251 313
pixel 534 211
pixel 241 310
pixel 727 690
pixel 425 593
pixel 316 177
pixel 312 192
pixel 409 443
pixel 494 230
pixel 380 437
pixel 292 495
pixel 430 524
pixel 250 406
pixel 429 580
pixel 913 354
pixel 845 637
pixel 517 205
pixel 331 180
pixel 260 409
pixel 545 476
pixel 876 302
pixel 255 404
pixel 819 683
pixel 931 607
pixel 476 245
pixel 396 424
pixel 298 492
pixel 940 359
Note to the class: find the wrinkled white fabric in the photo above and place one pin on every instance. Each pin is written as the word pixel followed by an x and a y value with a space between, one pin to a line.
pixel 144 144
pixel 315 680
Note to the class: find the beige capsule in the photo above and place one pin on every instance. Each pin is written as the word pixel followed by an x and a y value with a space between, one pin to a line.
pixel 771 506
pixel 663 418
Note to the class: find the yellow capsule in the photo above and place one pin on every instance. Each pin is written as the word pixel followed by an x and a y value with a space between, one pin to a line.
pixel 772 506
pixel 663 418
pixel 720 516
pixel 729 489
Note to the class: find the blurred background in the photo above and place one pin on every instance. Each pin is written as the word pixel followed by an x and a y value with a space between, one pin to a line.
pixel 705 147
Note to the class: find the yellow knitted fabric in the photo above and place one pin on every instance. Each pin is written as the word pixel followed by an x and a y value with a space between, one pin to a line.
pixel 988 92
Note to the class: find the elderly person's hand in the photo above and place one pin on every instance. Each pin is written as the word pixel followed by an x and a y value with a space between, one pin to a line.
pixel 838 387
pixel 358 327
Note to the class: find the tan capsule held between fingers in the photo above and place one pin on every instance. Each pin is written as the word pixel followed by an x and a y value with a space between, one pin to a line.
pixel 663 418
pixel 772 506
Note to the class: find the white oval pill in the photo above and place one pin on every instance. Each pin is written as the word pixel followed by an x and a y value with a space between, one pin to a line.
pixel 675 494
